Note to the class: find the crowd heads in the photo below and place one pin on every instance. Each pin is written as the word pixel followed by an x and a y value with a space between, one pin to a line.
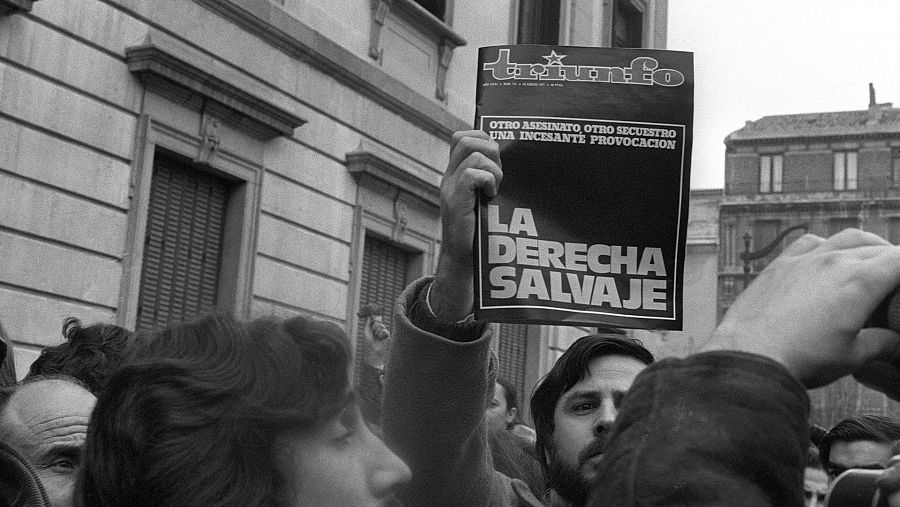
pixel 219 412
pixel 866 441
pixel 88 353
pixel 576 404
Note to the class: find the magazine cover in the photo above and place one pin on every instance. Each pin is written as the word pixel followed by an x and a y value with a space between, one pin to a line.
pixel 589 226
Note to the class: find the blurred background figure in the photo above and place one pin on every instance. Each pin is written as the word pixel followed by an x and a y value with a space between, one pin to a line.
pixel 503 411
pixel 377 338
pixel 90 354
pixel 513 455
pixel 865 441
pixel 815 479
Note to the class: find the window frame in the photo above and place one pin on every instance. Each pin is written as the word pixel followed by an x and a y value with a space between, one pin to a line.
pixel 438 31
pixel 237 263
pixel 532 24
pixel 633 10
pixel 230 185
pixel 395 207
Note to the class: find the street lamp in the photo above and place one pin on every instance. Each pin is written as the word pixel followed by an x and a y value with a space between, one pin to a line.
pixel 748 256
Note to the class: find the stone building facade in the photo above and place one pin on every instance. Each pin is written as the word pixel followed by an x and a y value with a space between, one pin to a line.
pixel 163 159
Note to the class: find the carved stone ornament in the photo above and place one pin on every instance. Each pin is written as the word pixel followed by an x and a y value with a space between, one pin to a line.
pixel 209 141
pixel 401 218
pixel 380 9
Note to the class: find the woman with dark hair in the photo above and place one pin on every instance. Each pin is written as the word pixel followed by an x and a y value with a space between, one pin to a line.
pixel 217 412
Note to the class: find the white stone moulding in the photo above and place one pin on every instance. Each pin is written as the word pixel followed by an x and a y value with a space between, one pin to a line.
pixel 167 65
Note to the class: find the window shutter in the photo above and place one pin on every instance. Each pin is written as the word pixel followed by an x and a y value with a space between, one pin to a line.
pixel 182 248
pixel 383 279
pixel 511 355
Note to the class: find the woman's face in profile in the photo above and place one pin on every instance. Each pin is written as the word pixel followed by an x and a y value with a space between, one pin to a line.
pixel 341 464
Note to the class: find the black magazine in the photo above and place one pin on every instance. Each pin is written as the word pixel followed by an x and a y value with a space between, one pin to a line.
pixel 589 226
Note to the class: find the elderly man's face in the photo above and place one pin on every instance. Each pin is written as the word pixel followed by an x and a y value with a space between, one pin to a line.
pixel 47 422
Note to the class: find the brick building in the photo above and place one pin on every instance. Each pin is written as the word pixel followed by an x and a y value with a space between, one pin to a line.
pixel 825 171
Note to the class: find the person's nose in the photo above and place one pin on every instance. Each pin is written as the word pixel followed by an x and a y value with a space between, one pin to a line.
pixel 605 417
pixel 388 470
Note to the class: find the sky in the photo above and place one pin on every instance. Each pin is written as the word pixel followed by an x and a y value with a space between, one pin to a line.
pixel 754 58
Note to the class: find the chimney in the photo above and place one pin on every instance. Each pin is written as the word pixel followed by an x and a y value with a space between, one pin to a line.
pixel 876 110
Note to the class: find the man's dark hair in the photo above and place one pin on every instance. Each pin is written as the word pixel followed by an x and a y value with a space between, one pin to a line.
pixel 875 428
pixel 510 393
pixel 89 353
pixel 571 367
pixel 193 415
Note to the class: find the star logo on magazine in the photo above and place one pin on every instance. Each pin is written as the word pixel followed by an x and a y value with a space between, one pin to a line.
pixel 553 58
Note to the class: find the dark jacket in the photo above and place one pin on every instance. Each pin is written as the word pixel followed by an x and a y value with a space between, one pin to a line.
pixel 718 428
pixel 437 386
pixel 713 429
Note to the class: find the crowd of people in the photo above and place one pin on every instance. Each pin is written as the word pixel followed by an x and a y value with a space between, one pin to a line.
pixel 217 411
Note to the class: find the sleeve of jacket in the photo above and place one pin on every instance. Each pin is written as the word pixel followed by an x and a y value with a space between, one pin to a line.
pixel 437 385
pixel 718 428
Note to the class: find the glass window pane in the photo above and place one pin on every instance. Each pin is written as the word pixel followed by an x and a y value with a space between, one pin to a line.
pixel 895 173
pixel 765 166
pixel 838 171
pixel 851 171
pixel 776 173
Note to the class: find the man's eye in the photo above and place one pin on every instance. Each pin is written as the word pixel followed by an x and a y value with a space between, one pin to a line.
pixel 583 407
pixel 64 464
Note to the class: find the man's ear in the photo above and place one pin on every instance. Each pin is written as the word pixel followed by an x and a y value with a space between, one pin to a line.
pixel 511 415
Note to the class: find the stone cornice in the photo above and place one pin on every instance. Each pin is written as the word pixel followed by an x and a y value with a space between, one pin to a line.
pixel 808 139
pixel 10 7
pixel 837 204
pixel 161 61
pixel 400 173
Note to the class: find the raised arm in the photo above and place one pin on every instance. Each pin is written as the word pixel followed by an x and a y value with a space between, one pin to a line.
pixel 439 376
pixel 728 426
